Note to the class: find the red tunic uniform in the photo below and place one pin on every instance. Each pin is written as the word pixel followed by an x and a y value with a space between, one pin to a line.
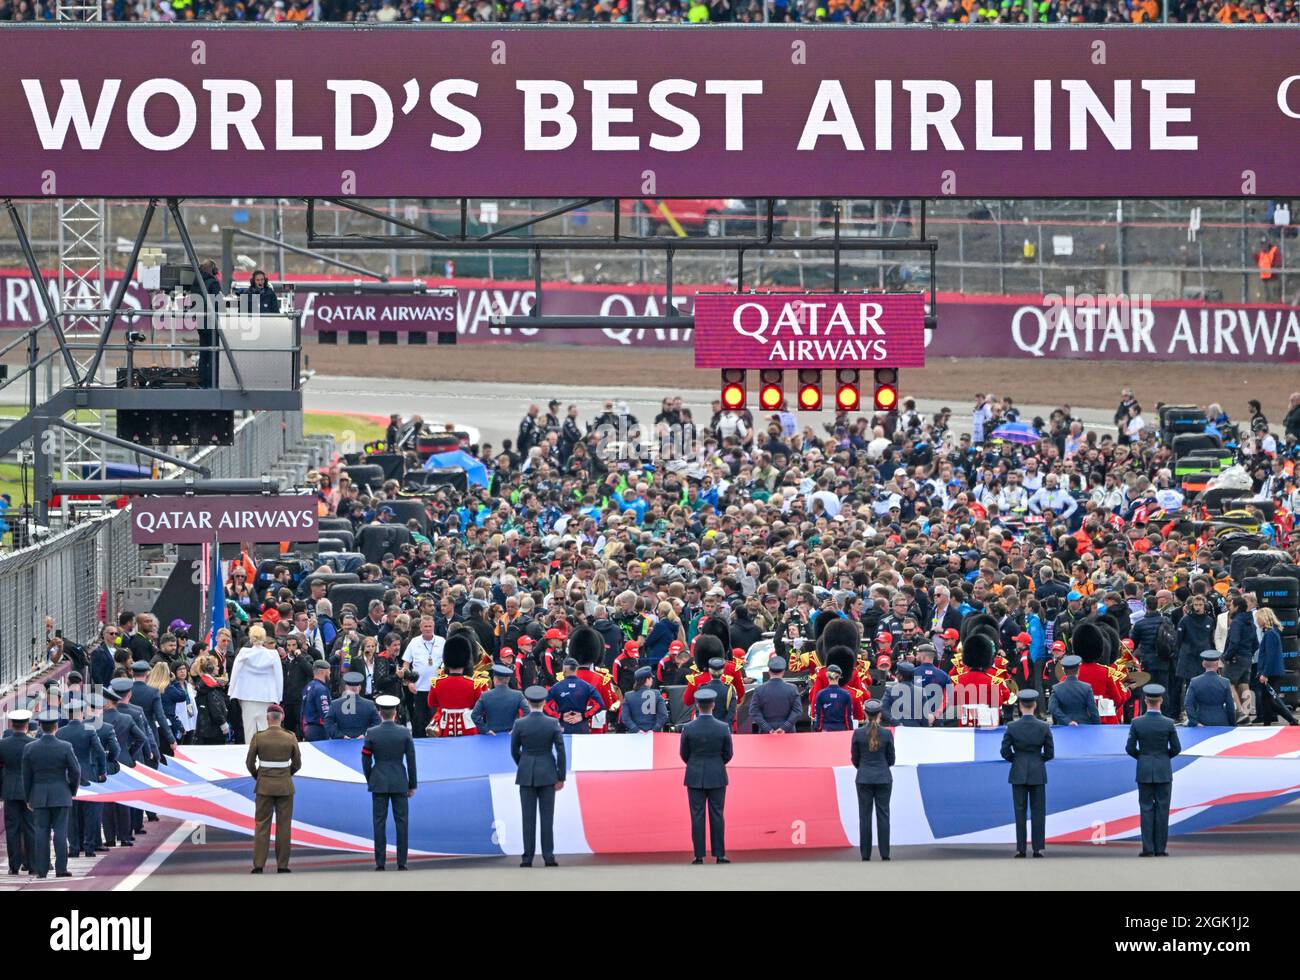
pixel 450 699
pixel 730 675
pixel 600 679
pixel 976 687
pixel 1103 686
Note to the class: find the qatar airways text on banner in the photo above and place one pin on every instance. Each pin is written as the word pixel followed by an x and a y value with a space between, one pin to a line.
pixel 791 330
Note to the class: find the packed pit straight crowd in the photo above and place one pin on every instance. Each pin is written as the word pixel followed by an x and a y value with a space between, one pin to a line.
pixel 889 556
pixel 687 11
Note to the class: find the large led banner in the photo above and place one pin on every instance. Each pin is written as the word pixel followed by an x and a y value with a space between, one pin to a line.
pixel 409 111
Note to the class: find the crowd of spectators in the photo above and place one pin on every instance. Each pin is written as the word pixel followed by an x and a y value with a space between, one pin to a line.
pixel 684 11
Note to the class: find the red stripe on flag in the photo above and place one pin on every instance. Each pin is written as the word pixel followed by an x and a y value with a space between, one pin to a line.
pixel 766 809
pixel 1284 741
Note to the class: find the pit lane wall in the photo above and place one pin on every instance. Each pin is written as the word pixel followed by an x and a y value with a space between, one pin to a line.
pixel 1118 327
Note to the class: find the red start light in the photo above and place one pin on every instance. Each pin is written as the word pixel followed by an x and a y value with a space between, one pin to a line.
pixel 733 396
pixel 847 394
pixel 810 398
pixel 886 398
pixel 771 397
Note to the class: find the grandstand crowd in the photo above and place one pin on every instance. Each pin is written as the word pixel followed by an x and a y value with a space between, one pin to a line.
pixel 684 11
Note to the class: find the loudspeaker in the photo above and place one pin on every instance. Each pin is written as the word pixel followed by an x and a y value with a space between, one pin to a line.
pixel 159 428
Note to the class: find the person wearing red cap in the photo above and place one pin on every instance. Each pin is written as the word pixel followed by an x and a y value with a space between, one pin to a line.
pixel 1048 673
pixel 627 662
pixel 676 667
pixel 552 657
pixel 948 646
pixel 1021 666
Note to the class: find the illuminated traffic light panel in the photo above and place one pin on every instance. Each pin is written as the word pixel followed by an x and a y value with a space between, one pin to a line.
pixel 810 389
pixel 733 388
pixel 886 390
pixel 847 392
pixel 771 389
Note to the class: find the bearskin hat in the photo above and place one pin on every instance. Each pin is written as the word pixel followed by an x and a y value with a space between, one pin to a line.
pixel 717 627
pixel 1089 639
pixel 845 658
pixel 458 652
pixel 707 647
pixel 1113 638
pixel 835 631
pixel 979 622
pixel 979 651
pixel 586 646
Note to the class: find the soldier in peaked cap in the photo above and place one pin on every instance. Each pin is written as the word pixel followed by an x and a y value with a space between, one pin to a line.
pixel 1153 742
pixel 537 746
pixel 273 758
pixel 133 745
pixel 351 715
pixel 497 709
pixel 83 821
pixel 644 709
pixel 388 763
pixel 1027 744
pixel 1073 702
pixel 51 778
pixel 775 706
pixel 19 831
pixel 1209 697
pixel 706 749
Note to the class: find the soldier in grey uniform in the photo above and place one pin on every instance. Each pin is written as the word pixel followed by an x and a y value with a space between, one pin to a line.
pixel 1027 745
pixel 19 834
pixel 1072 701
pixel 1153 741
pixel 1208 700
pixel 83 822
pixel 497 710
pixel 51 778
pixel 388 763
pixel 132 746
pixel 706 749
pixel 775 706
pixel 871 749
pixel 644 709
pixel 351 715
pixel 537 746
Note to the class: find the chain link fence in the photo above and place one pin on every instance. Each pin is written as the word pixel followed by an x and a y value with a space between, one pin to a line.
pixel 77 577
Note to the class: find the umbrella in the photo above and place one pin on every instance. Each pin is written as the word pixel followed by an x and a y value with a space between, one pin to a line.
pixel 1020 432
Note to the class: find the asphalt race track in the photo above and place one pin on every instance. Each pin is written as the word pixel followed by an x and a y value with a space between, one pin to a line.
pixel 1263 853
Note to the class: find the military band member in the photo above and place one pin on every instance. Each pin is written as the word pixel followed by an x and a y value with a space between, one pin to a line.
pixel 1153 742
pixel 644 709
pixel 537 746
pixel 273 758
pixel 388 763
pixel 452 696
pixel 871 751
pixel 1027 744
pixel 1073 702
pixel 1209 697
pixel 19 831
pixel 775 706
pixel 497 710
pixel 350 715
pixel 706 749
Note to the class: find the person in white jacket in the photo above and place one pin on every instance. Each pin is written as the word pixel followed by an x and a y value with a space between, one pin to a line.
pixel 256 680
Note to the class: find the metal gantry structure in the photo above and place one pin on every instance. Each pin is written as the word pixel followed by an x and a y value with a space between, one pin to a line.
pixel 508 238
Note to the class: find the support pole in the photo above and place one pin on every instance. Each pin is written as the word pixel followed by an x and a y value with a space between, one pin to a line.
pixel 133 447
pixel 38 280
pixel 127 275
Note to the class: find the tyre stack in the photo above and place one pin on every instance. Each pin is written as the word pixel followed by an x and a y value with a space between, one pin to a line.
pixel 1281 593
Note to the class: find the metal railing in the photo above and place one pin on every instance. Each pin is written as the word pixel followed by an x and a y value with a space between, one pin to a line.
pixel 78 577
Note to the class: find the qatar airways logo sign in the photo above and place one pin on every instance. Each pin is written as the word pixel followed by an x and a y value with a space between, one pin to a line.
pixel 788 330
pixel 200 520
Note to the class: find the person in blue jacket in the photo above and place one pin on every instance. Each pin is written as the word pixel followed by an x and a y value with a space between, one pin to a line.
pixel 644 709
pixel 1269 667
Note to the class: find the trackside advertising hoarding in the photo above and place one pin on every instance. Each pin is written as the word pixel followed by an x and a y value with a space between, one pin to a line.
pixel 198 520
pixel 645 111
pixel 792 330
